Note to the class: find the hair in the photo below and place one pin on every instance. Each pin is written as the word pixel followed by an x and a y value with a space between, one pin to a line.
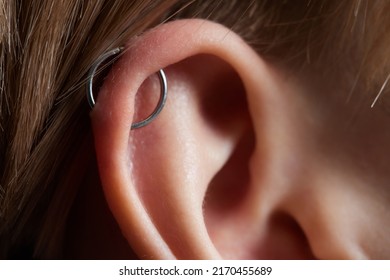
pixel 47 48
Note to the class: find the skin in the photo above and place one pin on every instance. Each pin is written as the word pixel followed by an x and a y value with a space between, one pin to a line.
pixel 247 160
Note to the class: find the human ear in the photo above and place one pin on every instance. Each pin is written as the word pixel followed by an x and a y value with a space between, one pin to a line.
pixel 191 184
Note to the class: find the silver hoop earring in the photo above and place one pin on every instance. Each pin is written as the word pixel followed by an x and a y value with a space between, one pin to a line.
pixel 163 93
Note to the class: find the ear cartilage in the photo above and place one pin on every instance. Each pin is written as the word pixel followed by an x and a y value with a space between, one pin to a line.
pixel 163 93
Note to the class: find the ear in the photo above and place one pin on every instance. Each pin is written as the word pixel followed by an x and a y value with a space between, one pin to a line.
pixel 190 184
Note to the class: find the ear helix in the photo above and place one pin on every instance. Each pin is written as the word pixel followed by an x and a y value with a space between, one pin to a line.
pixel 163 93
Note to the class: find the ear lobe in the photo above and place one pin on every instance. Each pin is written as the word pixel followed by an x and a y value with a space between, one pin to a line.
pixel 155 179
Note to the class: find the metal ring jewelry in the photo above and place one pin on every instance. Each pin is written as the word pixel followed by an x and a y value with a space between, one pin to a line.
pixel 163 93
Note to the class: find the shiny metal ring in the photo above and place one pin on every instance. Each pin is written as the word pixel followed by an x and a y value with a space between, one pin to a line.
pixel 163 94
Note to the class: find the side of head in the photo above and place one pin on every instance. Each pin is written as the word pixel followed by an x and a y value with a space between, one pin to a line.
pixel 262 144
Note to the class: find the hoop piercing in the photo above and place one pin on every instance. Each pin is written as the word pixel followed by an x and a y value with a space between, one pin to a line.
pixel 163 93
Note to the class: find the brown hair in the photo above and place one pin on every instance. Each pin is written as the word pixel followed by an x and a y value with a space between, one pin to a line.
pixel 47 47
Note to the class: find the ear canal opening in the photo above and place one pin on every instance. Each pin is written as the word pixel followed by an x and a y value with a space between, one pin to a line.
pixel 284 239
pixel 227 207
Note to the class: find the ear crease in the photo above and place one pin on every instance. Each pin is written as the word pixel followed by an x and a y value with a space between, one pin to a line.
pixel 234 229
pixel 227 198
pixel 230 186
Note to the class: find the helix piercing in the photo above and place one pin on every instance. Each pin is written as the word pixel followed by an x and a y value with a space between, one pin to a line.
pixel 163 93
